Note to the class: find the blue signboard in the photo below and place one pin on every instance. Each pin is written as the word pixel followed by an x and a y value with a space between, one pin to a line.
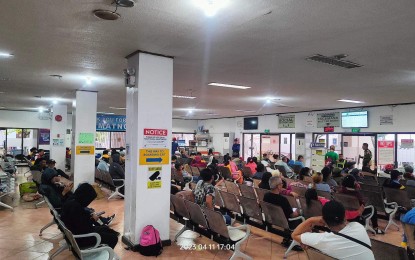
pixel 317 145
pixel 111 123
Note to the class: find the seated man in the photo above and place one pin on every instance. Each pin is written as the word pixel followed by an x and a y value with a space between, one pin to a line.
pixel 79 221
pixel 39 166
pixel 116 171
pixel 274 197
pixel 204 192
pixel 265 161
pixel 341 163
pixel 283 162
pixel 51 165
pixel 260 170
pixel 58 193
pixel 393 182
pixel 300 161
pixel 104 165
pixel 409 175
pixel 40 156
pixel 339 241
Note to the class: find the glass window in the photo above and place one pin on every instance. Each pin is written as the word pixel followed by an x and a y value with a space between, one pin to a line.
pixel 14 141
pixel 29 140
pixel 286 145
pixel 405 149
pixel 117 139
pixel 270 144
pixel 2 141
pixel 184 138
pixel 102 140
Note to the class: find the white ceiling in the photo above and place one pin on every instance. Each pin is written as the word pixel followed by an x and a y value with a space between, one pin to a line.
pixel 262 44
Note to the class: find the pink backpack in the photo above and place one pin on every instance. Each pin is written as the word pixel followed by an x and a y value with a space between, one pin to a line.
pixel 150 242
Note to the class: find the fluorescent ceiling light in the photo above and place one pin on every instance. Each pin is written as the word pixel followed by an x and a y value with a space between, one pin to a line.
pixel 6 55
pixel 350 101
pixel 227 85
pixel 105 113
pixel 119 108
pixel 2 107
pixel 186 97
pixel 245 111
pixel 210 7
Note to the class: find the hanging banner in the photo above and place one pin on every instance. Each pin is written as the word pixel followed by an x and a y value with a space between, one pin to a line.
pixel 286 121
pixel 386 151
pixel 44 136
pixel 111 122
pixel 328 119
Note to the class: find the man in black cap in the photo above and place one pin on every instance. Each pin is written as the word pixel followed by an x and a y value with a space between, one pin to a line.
pixel 341 240
pixel 51 165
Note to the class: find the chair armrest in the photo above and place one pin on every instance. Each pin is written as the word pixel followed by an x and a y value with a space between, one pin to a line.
pixel 122 180
pixel 99 249
pixel 96 235
pixel 372 209
pixel 297 218
pixel 245 227
pixel 394 204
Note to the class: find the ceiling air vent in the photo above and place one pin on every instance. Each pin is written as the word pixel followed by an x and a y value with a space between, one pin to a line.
pixel 336 60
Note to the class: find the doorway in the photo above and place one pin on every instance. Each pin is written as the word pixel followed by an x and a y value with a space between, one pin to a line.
pixel 352 147
pixel 251 145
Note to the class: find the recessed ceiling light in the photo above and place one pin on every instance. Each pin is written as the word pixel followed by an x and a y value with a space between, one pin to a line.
pixel 88 80
pixel 245 111
pixel 210 7
pixel 186 97
pixel 190 111
pixel 119 108
pixel 227 85
pixel 6 55
pixel 55 101
pixel 41 109
pixel 350 101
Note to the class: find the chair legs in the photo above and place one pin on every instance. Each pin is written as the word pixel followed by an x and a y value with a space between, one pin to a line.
pixel 39 203
pixel 116 193
pixel 60 250
pixel 45 227
pixel 369 227
pixel 237 249
pixel 293 243
pixel 391 222
pixel 184 228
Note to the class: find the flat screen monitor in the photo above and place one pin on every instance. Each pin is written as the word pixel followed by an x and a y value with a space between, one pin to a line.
pixel 251 123
pixel 356 119
pixel 181 142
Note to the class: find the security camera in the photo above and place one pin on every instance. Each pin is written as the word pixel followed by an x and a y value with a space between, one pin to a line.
pixel 129 77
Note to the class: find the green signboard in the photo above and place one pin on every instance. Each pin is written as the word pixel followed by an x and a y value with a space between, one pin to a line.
pixel 355 130
pixel 266 131
pixel 86 138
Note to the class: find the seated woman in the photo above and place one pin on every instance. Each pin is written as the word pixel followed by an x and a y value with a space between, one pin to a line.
pixel 236 173
pixel 303 172
pixel 260 171
pixel 350 187
pixel 318 183
pixel 197 162
pixel 79 221
pixel 327 177
pixel 250 164
pixel 264 184
pixel 58 193
pixel 311 194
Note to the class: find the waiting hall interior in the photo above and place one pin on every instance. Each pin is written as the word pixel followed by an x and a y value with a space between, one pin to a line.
pixel 207 129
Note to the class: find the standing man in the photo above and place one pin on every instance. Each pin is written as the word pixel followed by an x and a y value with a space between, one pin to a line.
pixel 174 146
pixel 331 156
pixel 367 154
pixel 236 147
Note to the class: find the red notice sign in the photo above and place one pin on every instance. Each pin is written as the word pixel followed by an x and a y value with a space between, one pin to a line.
pixel 155 132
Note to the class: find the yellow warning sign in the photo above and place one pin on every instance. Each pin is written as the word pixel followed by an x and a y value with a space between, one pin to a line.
pixel 154 156
pixel 85 149
pixel 153 184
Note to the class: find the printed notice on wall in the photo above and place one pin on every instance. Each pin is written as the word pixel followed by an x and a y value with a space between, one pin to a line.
pixel 86 138
pixel 386 120
pixel 155 138
pixel 154 178
pixel 386 151
pixel 286 121
pixel 328 119
pixel 407 144
pixel 58 142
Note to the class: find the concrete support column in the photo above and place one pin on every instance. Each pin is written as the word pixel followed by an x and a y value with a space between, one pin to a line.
pixel 148 144
pixel 83 136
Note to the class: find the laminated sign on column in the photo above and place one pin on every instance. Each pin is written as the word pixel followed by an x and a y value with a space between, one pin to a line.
pixel 155 138
pixel 154 156
pixel 154 178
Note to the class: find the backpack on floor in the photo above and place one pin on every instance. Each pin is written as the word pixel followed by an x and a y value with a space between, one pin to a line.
pixel 150 242
pixel 27 187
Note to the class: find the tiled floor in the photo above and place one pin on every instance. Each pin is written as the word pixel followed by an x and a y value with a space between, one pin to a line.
pixel 19 237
